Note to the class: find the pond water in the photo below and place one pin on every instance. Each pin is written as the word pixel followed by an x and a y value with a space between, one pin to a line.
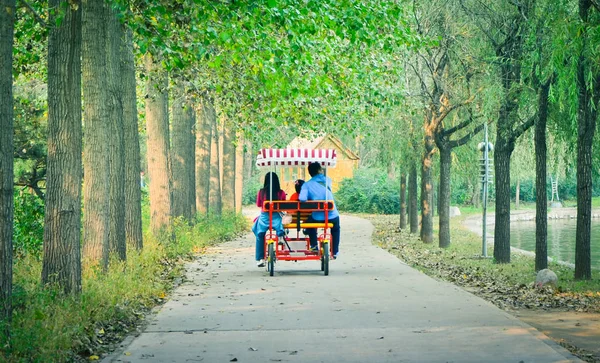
pixel 561 239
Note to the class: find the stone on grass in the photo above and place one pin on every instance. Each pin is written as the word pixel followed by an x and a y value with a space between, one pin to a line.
pixel 454 211
pixel 546 277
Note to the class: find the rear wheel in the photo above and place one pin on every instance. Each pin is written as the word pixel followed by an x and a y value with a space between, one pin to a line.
pixel 325 259
pixel 271 264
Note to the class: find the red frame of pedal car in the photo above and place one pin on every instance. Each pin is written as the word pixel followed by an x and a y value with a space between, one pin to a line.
pixel 299 209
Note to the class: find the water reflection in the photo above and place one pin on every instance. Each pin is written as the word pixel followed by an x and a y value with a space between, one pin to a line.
pixel 561 239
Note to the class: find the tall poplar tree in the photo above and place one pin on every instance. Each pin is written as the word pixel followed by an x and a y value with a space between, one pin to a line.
pixel 205 113
pixel 157 128
pixel 115 41
pixel 133 193
pixel 62 219
pixel 96 168
pixel 7 23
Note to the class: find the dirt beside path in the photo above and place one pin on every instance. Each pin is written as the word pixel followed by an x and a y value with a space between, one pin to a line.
pixel 578 332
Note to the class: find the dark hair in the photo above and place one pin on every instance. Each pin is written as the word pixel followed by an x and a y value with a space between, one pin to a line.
pixel 314 168
pixel 298 185
pixel 267 186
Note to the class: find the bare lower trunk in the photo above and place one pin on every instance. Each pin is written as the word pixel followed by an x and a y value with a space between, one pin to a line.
pixel 157 127
pixel 133 194
pixel 215 204
pixel 191 152
pixel 183 158
pixel 7 21
pixel 403 206
pixel 426 190
pixel 444 197
pixel 228 190
pixel 62 218
pixel 517 194
pixel 541 204
pixel 248 161
pixel 96 186
pixel 117 242
pixel 587 113
pixel 203 142
pixel 413 212
pixel 502 225
pixel 239 174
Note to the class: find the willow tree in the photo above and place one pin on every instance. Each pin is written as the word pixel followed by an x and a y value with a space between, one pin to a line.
pixel 7 22
pixel 587 79
pixel 508 46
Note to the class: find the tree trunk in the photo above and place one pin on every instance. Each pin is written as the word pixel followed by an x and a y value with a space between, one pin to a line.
pixel 541 204
pixel 133 194
pixel 191 152
pixel 413 213
pixel 502 224
pixel 62 218
pixel 116 237
pixel 96 186
pixel 508 130
pixel 432 202
pixel 587 97
pixel 239 174
pixel 7 22
pixel 228 191
pixel 157 128
pixel 403 178
pixel 182 157
pixel 426 190
pixel 248 161
pixel 203 143
pixel 215 202
pixel 517 194
pixel 444 197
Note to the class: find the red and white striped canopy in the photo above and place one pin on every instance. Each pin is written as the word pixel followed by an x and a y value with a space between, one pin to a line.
pixel 296 157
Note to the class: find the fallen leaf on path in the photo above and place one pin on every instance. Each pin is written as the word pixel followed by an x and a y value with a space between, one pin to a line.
pixel 233 360
pixel 94 357
pixel 252 349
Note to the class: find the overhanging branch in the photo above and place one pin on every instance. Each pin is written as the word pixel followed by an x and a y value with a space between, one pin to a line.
pixel 34 13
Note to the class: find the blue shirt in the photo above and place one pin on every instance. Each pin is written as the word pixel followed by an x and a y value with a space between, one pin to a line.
pixel 314 189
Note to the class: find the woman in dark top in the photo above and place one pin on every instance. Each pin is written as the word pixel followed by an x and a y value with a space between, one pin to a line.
pixel 271 191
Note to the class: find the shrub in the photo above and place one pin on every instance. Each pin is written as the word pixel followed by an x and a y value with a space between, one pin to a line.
pixel 369 191
pixel 28 222
pixel 250 189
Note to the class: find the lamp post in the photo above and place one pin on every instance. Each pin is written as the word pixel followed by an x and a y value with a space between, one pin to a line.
pixel 486 178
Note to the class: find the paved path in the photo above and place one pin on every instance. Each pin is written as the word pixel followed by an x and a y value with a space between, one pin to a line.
pixel 371 308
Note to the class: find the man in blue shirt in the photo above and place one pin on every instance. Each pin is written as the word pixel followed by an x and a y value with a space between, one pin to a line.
pixel 319 188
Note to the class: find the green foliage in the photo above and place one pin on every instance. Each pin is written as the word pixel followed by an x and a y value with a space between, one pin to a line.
pixel 50 327
pixel 250 189
pixel 30 150
pixel 369 191
pixel 28 223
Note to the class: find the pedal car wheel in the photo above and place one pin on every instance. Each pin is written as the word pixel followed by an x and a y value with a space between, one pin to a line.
pixel 271 264
pixel 325 258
